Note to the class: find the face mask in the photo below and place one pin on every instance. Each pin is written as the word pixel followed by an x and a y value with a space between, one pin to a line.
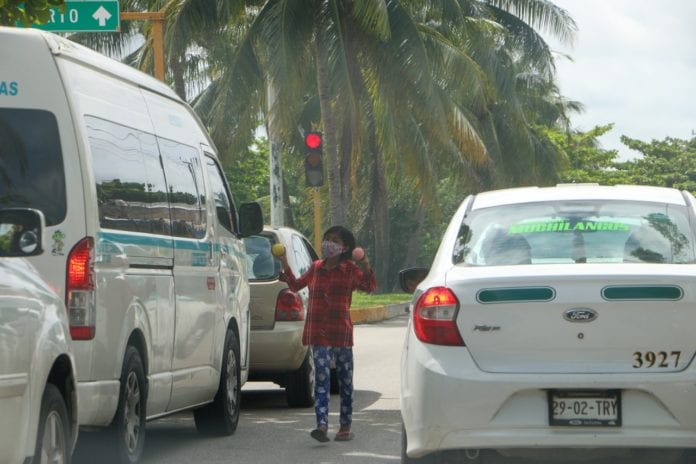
pixel 330 249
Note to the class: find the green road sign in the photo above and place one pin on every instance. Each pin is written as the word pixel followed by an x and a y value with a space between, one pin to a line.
pixel 88 16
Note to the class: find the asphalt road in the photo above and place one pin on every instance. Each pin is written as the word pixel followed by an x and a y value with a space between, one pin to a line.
pixel 269 432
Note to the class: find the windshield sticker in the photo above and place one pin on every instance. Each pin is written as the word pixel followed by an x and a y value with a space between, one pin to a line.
pixel 567 226
pixel 58 243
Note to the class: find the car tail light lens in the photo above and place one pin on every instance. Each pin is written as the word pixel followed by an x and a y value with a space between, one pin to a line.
pixel 435 317
pixel 79 290
pixel 289 306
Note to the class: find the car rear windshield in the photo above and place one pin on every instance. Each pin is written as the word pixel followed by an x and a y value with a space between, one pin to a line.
pixel 576 232
pixel 31 163
pixel 261 263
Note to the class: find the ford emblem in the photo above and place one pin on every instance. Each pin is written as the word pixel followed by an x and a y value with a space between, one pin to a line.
pixel 580 315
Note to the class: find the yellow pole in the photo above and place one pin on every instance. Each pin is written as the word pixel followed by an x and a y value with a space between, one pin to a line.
pixel 317 220
pixel 157 18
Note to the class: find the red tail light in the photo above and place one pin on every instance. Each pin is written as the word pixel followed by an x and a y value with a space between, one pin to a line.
pixel 79 290
pixel 435 317
pixel 289 306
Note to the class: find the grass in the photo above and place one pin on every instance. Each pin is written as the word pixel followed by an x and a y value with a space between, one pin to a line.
pixel 364 300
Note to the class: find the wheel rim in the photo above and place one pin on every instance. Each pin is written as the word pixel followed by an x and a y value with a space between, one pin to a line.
pixel 53 441
pixel 131 416
pixel 232 382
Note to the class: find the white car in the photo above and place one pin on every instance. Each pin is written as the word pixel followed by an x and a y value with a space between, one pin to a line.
pixel 278 315
pixel 559 317
pixel 38 408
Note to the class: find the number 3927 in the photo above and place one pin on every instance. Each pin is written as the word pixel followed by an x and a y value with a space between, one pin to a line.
pixel 656 359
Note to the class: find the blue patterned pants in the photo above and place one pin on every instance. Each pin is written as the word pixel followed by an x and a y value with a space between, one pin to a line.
pixel 322 389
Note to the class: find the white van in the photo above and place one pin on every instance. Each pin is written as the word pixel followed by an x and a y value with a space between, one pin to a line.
pixel 144 236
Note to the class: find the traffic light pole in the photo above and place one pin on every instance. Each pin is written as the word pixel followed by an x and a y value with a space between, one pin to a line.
pixel 314 177
pixel 317 219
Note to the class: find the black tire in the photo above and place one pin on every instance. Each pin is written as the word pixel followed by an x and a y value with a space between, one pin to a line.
pixel 299 390
pixel 220 418
pixel 126 435
pixel 54 437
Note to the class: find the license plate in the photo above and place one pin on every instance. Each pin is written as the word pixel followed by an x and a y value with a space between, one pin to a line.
pixel 585 408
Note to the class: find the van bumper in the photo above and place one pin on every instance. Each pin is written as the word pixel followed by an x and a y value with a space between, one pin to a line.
pixel 98 401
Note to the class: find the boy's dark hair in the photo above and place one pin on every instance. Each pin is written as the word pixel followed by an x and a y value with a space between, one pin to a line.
pixel 346 236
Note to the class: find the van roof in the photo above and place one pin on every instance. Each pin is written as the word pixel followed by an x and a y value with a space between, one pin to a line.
pixel 61 46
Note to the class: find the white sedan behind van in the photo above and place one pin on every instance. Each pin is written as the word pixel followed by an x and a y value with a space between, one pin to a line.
pixel 38 411
pixel 557 317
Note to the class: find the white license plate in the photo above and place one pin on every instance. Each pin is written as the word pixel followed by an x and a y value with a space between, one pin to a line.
pixel 585 408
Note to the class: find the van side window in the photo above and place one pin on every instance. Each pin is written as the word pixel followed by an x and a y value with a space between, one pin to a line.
pixel 131 192
pixel 184 174
pixel 31 163
pixel 224 207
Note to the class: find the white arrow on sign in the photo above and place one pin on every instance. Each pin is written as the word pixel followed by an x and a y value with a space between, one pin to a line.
pixel 102 15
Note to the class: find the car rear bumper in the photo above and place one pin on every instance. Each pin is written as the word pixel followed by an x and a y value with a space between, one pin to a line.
pixel 277 350
pixel 448 403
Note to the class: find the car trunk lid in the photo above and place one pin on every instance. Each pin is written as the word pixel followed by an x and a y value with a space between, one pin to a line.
pixel 580 318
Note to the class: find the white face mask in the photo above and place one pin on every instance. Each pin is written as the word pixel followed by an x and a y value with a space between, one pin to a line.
pixel 331 249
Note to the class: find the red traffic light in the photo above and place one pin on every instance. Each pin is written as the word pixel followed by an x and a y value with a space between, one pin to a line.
pixel 313 140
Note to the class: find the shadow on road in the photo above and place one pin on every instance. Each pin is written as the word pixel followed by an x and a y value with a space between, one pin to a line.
pixel 266 421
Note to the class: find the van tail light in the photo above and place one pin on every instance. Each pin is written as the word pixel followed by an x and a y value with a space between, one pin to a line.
pixel 289 306
pixel 79 290
pixel 435 317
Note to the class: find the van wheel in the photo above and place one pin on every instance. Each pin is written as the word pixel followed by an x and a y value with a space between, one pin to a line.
pixel 220 418
pixel 53 440
pixel 299 390
pixel 127 431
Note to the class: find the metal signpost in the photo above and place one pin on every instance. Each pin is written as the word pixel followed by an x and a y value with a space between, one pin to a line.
pixel 105 16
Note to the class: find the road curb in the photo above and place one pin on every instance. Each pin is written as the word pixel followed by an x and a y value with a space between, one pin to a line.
pixel 377 313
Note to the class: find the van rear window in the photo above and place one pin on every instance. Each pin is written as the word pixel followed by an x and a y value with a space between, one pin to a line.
pixel 31 163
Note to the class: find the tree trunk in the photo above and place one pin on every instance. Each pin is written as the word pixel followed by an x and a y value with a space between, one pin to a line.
pixel 177 68
pixel 337 208
pixel 380 216
pixel 413 245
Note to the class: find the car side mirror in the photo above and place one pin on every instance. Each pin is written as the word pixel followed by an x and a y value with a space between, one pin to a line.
pixel 250 219
pixel 411 277
pixel 21 232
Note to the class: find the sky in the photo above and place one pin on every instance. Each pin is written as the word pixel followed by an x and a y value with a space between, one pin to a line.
pixel 634 65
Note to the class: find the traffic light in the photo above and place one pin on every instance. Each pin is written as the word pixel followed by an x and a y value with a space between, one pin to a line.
pixel 314 169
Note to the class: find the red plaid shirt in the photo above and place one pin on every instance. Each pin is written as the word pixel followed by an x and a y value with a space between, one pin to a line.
pixel 330 293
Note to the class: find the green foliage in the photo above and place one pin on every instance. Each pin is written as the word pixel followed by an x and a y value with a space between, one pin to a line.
pixel 587 162
pixel 365 300
pixel 665 163
pixel 247 172
pixel 668 163
pixel 27 12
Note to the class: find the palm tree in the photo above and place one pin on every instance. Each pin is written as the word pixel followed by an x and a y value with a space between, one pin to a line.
pixel 411 85
pixel 371 76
